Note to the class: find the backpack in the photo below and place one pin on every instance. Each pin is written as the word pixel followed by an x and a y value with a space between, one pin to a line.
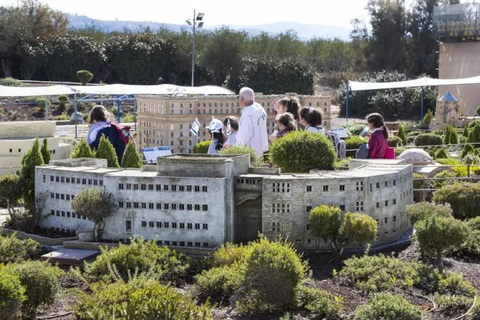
pixel 338 143
pixel 123 132
pixel 118 136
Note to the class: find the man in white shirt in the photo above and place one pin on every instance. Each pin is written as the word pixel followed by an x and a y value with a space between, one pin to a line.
pixel 252 127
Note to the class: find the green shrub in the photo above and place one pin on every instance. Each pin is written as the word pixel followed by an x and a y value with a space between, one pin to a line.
pixel 254 161
pixel 319 303
pixel 139 299
pixel 474 136
pixel 302 151
pixel 428 139
pixel 62 98
pixel 463 197
pixel 399 151
pixel 439 234
pixel 230 254
pixel 465 132
pixel 353 144
pixel 273 271
pixel 218 284
pixel 11 82
pixel 140 256
pixel 41 284
pixel 394 142
pixel 63 116
pixel 419 211
pixel 202 147
pixel 401 134
pixel 84 76
pixel 471 247
pixel 445 175
pixel 12 294
pixel 427 119
pixel 131 157
pixel 387 306
pixel 452 305
pixel 355 129
pixel 129 118
pixel 13 249
pixel 441 154
pixel 82 150
pixel 106 150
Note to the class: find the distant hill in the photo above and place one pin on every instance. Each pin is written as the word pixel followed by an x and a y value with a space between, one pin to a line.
pixel 304 31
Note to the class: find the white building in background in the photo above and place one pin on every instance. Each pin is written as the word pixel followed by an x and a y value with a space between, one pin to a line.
pixel 204 201
pixel 16 138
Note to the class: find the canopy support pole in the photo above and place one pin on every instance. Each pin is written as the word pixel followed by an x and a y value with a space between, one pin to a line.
pixel 75 112
pixel 46 108
pixel 346 103
pixel 135 113
pixel 421 104
pixel 119 103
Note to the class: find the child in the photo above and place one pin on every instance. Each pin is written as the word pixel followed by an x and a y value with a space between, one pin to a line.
pixel 311 120
pixel 232 138
pixel 216 130
pixel 285 123
pixel 378 144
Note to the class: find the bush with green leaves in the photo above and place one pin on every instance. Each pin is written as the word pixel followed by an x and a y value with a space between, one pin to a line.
pixel 13 249
pixel 394 142
pixel 452 136
pixel 302 151
pixel 463 197
pixel 428 139
pixel 84 76
pixel 389 306
pixel 106 150
pixel 427 119
pixel 330 223
pixel 436 235
pixel 46 155
pixel 353 144
pixel 399 151
pixel 447 178
pixel 31 159
pixel 230 254
pixel 141 298
pixel 419 211
pixel 441 154
pixel 62 98
pixel 202 147
pixel 474 136
pixel 401 134
pixel 471 247
pixel 465 132
pixel 12 295
pixel 254 161
pixel 452 305
pixel 41 284
pixel 319 303
pixel 131 157
pixel 11 82
pixel 82 150
pixel 140 256
pixel 218 284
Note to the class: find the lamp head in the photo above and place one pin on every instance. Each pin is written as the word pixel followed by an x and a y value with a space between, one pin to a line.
pixel 188 22
pixel 200 25
pixel 200 16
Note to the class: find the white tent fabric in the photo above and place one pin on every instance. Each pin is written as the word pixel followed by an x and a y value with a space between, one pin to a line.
pixel 421 82
pixel 117 89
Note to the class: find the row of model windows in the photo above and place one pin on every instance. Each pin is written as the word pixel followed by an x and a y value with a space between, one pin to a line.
pixel 215 104
pixel 281 187
pixel 72 180
pixel 67 214
pixel 280 208
pixel 174 225
pixel 61 196
pixel 165 206
pixel 159 187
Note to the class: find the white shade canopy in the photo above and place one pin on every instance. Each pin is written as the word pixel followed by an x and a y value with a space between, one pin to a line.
pixel 116 89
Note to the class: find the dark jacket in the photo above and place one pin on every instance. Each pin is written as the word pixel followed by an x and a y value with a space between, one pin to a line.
pixel 112 135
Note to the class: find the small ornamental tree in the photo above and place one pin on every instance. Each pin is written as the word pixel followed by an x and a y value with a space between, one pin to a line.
pixel 107 151
pixel 446 137
pixel 439 234
pixel 422 210
pixel 401 134
pixel 82 150
pixel 428 139
pixel 202 147
pixel 46 155
pixel 465 132
pixel 11 191
pixel 96 205
pixel 84 76
pixel 427 119
pixel 12 294
pixel 394 142
pixel 340 229
pixel 131 158
pixel 441 154
pixel 32 159
pixel 453 136
pixel 302 151
pixel 463 197
pixel 467 149
pixel 474 137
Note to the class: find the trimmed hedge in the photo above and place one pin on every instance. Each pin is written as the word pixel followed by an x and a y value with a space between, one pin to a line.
pixel 202 147
pixel 394 142
pixel 353 144
pixel 428 139
pixel 463 197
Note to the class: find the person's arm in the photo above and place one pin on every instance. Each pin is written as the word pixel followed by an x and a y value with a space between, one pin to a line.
pixel 244 133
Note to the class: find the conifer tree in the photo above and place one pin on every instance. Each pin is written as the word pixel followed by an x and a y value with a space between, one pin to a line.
pixel 32 159
pixel 82 150
pixel 131 158
pixel 46 155
pixel 401 134
pixel 465 132
pixel 453 136
pixel 474 137
pixel 107 151
pixel 467 149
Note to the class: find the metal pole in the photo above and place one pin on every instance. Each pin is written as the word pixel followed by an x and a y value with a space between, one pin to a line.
pixel 346 103
pixel 194 22
pixel 135 113
pixel 421 104
pixel 75 113
pixel 46 109
pixel 101 99
pixel 118 110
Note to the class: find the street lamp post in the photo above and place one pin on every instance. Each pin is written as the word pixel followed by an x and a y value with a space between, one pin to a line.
pixel 193 23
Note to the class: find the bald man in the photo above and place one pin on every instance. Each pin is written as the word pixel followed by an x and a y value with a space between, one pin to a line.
pixel 252 126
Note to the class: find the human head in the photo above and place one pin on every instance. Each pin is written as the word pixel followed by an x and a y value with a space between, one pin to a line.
pixel 233 123
pixel 310 117
pixel 99 113
pixel 285 121
pixel 375 121
pixel 290 105
pixel 246 97
pixel 215 128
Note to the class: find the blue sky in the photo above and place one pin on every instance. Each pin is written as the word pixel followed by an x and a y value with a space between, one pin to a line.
pixel 245 12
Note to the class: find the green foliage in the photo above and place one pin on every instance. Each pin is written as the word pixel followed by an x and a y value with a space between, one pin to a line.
pixel 13 249
pixel 389 307
pixel 140 299
pixel 474 136
pixel 452 305
pixel 467 149
pixel 422 210
pixel 340 230
pixel 106 150
pixel 401 134
pixel 302 151
pixel 63 98
pixel 41 102
pixel 11 82
pixel 129 118
pixel 230 254
pixel 395 141
pixel 353 144
pixel 463 197
pixel 40 281
pixel 96 205
pixel 32 159
pixel 84 76
pixel 46 155
pixel 254 161
pixel 441 154
pixel 471 247
pixel 399 151
pixel 439 234
pixel 202 147
pixel 445 175
pixel 428 139
pixel 140 256
pixel 218 283
pixel 319 303
pixel 64 116
pixel 427 119
pixel 12 295
pixel 451 136
pixel 82 150
pixel 131 158
pixel 465 132
pixel 11 189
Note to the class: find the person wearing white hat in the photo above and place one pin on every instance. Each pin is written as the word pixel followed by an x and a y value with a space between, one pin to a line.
pixel 216 130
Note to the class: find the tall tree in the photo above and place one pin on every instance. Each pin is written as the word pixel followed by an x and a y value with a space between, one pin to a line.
pixel 46 155
pixel 107 151
pixel 32 159
pixel 131 158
